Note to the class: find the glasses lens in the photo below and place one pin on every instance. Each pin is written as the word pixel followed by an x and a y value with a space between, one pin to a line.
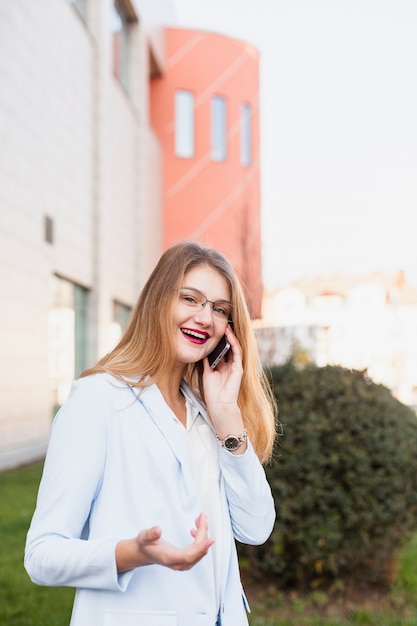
pixel 191 297
pixel 222 309
pixel 194 298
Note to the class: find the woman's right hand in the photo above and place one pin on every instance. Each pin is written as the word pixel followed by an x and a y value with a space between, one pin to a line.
pixel 148 548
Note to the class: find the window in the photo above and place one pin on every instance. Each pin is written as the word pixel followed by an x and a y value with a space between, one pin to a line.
pixel 80 329
pixel 121 315
pixel 67 326
pixel 123 18
pixel 218 129
pixel 184 124
pixel 81 6
pixel 245 134
pixel 48 229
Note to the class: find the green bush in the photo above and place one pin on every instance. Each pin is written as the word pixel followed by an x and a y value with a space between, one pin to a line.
pixel 344 478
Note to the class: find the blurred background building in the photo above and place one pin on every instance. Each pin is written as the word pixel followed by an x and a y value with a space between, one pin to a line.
pixel 364 322
pixel 122 133
pixel 119 136
pixel 205 112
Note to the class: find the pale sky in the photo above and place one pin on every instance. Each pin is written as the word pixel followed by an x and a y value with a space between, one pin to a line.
pixel 338 129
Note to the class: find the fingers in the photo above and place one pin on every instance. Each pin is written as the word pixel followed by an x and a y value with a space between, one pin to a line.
pixel 201 537
pixel 201 523
pixel 201 527
pixel 149 535
pixel 232 339
pixel 199 547
pixel 152 548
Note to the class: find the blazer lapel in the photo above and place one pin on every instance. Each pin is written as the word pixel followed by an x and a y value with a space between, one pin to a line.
pixel 161 415
pixel 155 406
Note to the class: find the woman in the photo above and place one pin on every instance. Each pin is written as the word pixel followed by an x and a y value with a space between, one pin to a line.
pixel 154 463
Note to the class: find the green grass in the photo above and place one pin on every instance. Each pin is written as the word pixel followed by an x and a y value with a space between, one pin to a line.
pixel 24 604
pixel 21 602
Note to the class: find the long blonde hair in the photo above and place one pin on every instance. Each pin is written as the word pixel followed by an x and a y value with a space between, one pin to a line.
pixel 139 353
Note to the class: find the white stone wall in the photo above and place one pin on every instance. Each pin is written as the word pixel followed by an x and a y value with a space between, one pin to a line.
pixel 76 148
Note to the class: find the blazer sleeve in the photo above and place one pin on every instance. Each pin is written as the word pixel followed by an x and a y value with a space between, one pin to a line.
pixel 250 501
pixel 57 551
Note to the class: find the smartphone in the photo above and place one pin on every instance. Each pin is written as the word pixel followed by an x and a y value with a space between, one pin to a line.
pixel 219 351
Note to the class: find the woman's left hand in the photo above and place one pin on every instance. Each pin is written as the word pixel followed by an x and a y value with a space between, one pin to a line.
pixel 221 389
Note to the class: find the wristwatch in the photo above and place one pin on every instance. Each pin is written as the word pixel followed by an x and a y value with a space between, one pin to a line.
pixel 233 442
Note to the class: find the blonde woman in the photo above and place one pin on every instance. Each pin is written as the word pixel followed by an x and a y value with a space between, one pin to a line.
pixel 154 466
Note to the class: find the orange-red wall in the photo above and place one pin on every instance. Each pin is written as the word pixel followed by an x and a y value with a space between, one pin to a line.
pixel 216 203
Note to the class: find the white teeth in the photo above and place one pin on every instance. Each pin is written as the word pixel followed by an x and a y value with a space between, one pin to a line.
pixel 193 333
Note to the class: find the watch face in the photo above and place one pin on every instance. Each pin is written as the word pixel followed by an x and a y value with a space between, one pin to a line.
pixel 231 443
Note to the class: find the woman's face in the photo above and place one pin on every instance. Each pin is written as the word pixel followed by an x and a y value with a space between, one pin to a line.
pixel 200 324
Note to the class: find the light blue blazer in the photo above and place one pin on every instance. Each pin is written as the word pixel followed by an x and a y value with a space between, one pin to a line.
pixel 116 464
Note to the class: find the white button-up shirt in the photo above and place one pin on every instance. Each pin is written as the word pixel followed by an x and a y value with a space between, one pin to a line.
pixel 205 453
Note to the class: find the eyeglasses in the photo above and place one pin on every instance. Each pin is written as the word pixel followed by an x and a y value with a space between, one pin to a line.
pixel 197 300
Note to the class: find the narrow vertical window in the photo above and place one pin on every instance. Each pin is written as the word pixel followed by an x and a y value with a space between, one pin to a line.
pixel 67 327
pixel 184 124
pixel 121 315
pixel 48 229
pixel 122 19
pixel 218 129
pixel 245 134
pixel 80 328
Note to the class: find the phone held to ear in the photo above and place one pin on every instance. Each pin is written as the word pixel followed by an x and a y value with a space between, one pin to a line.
pixel 218 353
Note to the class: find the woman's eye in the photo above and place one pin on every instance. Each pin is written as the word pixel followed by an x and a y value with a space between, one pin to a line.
pixel 189 299
pixel 221 311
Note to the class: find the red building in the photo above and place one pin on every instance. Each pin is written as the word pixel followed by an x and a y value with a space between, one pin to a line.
pixel 205 112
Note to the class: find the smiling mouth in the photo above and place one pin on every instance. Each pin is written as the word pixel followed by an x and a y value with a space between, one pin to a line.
pixel 195 335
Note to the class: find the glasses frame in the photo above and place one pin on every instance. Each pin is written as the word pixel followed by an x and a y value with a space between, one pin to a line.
pixel 201 305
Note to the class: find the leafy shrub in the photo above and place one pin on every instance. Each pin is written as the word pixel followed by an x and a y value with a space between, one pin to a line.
pixel 344 478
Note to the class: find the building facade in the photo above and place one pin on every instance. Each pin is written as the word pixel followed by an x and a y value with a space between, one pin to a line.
pixel 86 172
pixel 80 195
pixel 205 112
